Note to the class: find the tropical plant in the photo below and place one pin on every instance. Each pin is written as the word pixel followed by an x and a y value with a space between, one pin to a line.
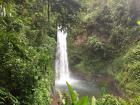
pixel 7 98
pixel 79 101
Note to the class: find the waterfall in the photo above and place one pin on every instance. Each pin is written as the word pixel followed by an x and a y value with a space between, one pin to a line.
pixel 63 73
pixel 61 61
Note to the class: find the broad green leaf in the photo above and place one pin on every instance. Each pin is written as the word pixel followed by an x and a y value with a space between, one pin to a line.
pixel 73 94
pixel 93 101
pixel 83 101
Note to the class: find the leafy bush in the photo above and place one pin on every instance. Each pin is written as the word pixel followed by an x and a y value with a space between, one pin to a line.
pixel 126 68
pixel 135 101
pixel 108 100
pixel 94 43
pixel 7 99
pixel 26 53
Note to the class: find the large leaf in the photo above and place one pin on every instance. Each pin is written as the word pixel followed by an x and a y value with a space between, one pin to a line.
pixel 93 101
pixel 73 94
pixel 83 101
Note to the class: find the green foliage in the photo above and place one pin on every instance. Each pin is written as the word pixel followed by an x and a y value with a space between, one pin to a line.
pixel 66 12
pixel 128 73
pixel 74 95
pixel 6 98
pixel 94 43
pixel 27 43
pixel 106 99
pixel 109 39
pixel 79 101
pixel 26 53
pixel 111 100
pixel 135 101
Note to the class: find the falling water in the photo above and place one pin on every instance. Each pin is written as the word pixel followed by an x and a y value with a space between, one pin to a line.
pixel 63 72
pixel 61 62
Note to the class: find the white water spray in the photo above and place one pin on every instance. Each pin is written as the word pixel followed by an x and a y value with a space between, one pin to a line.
pixel 62 68
pixel 61 62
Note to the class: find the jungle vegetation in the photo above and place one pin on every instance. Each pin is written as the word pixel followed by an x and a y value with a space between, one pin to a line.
pixel 104 38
